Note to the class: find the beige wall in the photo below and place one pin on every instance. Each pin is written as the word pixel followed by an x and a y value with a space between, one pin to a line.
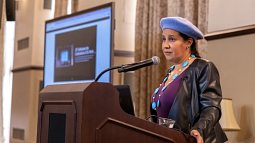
pixel 234 58
pixel 23 24
pixel 30 22
pixel 40 16
pixel 118 77
pixel 226 14
pixel 25 104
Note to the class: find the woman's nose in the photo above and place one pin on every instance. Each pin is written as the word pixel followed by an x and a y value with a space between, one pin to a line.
pixel 166 45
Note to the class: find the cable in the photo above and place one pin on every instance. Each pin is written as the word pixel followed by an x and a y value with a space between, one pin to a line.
pixel 106 71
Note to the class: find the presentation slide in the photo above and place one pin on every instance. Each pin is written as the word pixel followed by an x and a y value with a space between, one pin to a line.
pixel 75 56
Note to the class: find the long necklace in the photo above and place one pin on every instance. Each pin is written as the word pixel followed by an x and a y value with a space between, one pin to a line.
pixel 154 104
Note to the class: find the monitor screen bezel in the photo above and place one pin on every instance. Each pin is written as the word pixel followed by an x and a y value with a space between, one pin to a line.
pixel 112 5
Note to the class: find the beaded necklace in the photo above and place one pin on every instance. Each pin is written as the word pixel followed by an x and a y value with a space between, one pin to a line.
pixel 154 104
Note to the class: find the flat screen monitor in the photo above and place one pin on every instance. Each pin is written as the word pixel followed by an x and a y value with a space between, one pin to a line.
pixel 125 99
pixel 79 46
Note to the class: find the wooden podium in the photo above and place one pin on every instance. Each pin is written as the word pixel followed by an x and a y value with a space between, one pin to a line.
pixel 90 113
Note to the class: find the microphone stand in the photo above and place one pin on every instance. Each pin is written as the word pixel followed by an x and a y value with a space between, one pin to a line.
pixel 111 68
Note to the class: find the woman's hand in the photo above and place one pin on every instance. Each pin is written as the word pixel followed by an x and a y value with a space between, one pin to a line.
pixel 197 135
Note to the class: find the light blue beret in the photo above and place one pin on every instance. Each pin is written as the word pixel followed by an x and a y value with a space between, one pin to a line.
pixel 181 25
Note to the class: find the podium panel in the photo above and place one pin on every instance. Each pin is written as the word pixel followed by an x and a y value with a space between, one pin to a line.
pixel 116 131
pixel 58 120
pixel 90 113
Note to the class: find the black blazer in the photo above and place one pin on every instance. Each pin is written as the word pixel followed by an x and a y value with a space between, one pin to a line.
pixel 197 103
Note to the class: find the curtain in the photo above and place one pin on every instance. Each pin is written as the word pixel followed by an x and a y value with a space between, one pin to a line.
pixel 3 21
pixel 148 39
pixel 202 24
pixel 148 35
pixel 74 6
pixel 60 8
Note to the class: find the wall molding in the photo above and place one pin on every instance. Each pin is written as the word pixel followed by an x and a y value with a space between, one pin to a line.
pixel 250 29
pixel 116 53
pixel 124 53
pixel 27 68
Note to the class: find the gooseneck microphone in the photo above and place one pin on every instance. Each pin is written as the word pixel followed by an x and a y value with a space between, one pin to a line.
pixel 133 66
pixel 137 65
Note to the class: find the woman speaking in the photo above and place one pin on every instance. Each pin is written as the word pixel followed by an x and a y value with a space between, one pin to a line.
pixel 190 93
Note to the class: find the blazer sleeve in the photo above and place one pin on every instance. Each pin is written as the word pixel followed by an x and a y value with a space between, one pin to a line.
pixel 210 96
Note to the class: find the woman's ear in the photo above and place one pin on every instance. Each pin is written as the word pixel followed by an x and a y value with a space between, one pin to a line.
pixel 189 42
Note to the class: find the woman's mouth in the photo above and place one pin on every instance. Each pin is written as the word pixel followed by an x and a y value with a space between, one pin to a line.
pixel 168 53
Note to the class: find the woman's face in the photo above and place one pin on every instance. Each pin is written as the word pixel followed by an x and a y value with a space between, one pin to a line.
pixel 174 47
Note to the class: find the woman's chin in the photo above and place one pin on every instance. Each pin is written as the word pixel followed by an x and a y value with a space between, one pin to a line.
pixel 169 58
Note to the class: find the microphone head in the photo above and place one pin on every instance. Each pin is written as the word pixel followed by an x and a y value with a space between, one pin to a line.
pixel 155 60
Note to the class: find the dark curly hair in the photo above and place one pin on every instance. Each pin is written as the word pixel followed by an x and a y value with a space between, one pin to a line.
pixel 193 48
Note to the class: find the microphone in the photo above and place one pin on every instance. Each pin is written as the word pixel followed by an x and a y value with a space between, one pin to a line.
pixel 137 65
